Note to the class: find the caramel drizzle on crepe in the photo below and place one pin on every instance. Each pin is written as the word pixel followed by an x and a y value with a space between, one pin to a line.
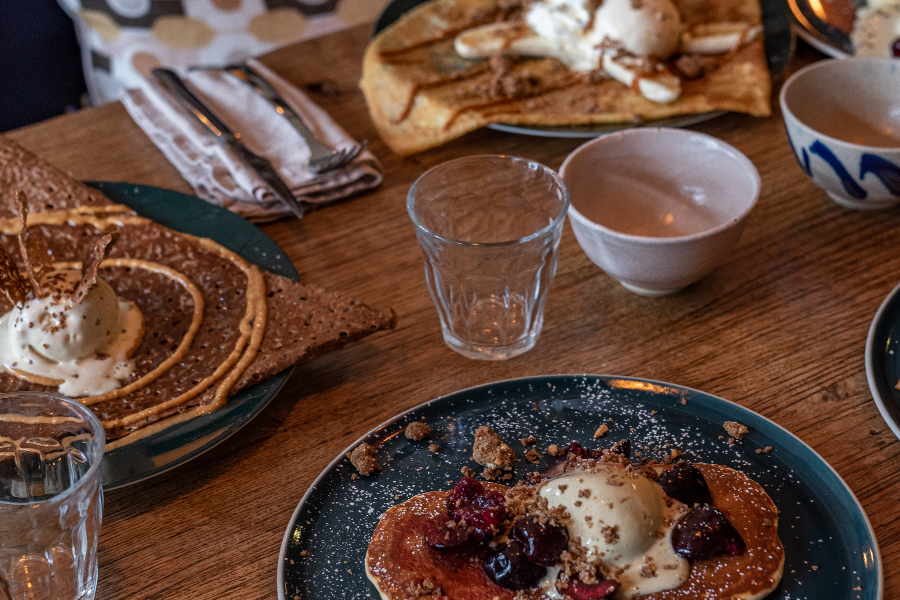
pixel 251 326
pixel 501 101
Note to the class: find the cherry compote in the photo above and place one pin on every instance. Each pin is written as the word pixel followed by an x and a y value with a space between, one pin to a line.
pixel 583 591
pixel 543 542
pixel 685 483
pixel 509 567
pixel 444 534
pixel 473 516
pixel 705 532
pixel 479 508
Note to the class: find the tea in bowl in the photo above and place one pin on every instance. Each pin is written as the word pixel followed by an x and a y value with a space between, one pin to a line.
pixel 843 123
pixel 658 209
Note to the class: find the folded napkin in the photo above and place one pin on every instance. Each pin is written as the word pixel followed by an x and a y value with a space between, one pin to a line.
pixel 215 171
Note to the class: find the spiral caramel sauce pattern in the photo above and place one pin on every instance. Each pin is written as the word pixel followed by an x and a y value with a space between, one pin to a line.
pixel 251 327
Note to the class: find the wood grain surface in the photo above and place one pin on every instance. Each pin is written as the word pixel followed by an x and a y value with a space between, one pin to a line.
pixel 780 329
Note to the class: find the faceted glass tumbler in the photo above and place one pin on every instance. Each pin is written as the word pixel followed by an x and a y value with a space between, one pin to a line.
pixel 50 497
pixel 489 227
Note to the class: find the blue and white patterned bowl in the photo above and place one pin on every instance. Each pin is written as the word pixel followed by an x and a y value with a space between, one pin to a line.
pixel 843 123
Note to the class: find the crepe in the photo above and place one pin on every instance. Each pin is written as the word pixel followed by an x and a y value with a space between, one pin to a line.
pixel 214 324
pixel 421 94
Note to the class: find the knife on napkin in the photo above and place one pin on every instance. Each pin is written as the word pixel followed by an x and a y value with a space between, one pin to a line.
pixel 172 82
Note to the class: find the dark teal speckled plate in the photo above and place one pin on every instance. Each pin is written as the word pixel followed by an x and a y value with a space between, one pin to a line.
pixel 883 359
pixel 180 443
pixel 821 525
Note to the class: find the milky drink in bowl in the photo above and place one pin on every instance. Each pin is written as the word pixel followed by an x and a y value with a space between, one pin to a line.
pixel 658 209
pixel 50 497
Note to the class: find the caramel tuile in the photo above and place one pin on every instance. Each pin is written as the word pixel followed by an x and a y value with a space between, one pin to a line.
pixel 91 264
pixel 22 206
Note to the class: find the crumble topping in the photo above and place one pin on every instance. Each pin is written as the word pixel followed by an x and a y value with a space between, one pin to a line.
pixel 424 587
pixel 365 458
pixel 735 429
pixel 490 451
pixel 417 431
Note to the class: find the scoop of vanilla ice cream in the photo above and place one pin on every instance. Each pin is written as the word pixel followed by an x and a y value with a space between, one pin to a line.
pixel 565 23
pixel 624 518
pixel 576 29
pixel 643 27
pixel 57 328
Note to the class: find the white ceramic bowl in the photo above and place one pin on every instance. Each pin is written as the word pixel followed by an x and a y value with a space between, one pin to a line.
pixel 843 123
pixel 658 209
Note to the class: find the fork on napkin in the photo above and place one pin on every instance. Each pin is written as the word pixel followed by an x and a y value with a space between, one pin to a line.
pixel 212 169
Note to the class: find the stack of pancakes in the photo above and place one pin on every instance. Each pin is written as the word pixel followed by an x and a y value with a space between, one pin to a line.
pixel 213 323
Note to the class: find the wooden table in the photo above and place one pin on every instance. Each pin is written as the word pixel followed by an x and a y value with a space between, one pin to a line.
pixel 780 329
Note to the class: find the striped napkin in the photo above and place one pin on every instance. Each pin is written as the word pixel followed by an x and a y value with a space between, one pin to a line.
pixel 215 172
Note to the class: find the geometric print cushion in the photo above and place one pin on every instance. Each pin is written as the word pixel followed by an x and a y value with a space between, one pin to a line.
pixel 122 40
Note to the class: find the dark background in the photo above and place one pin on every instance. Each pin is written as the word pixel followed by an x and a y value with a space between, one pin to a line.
pixel 40 63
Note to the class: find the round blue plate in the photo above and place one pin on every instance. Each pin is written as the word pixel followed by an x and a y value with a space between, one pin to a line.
pixel 779 43
pixel 171 447
pixel 829 544
pixel 883 359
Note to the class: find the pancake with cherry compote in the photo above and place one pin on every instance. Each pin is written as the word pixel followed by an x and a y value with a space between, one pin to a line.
pixel 603 528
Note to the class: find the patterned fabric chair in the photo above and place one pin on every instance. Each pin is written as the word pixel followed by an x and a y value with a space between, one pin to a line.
pixel 122 40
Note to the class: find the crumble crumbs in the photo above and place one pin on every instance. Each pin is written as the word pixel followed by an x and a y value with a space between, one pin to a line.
pixel 735 429
pixel 491 473
pixel 610 534
pixel 533 456
pixel 433 447
pixel 490 451
pixel 365 458
pixel 424 587
pixel 601 431
pixel 763 450
pixel 648 569
pixel 528 440
pixel 417 431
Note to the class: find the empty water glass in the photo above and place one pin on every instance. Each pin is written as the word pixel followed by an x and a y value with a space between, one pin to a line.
pixel 50 497
pixel 489 228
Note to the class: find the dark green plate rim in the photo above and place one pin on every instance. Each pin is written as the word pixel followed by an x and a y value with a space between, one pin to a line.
pixel 883 359
pixel 166 449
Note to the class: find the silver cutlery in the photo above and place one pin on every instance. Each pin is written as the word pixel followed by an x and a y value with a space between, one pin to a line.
pixel 172 82
pixel 322 158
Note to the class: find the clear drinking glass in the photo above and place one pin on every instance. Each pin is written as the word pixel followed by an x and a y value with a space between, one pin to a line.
pixel 50 497
pixel 489 228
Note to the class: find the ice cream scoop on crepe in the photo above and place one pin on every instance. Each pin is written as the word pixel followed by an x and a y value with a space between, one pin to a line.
pixel 435 74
